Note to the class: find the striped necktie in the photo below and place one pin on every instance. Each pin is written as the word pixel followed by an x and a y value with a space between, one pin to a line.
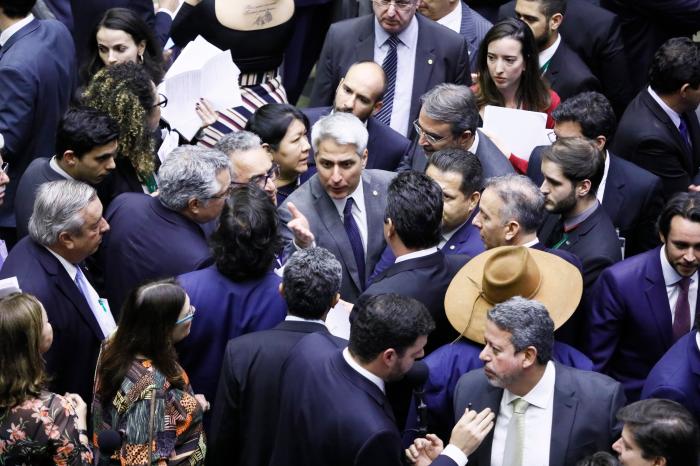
pixel 390 64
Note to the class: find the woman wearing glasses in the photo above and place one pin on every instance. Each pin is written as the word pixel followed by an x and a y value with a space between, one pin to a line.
pixel 283 131
pixel 141 390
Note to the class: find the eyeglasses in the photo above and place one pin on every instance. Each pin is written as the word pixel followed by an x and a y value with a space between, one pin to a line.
pixel 398 4
pixel 188 317
pixel 225 194
pixel 431 138
pixel 163 101
pixel 261 180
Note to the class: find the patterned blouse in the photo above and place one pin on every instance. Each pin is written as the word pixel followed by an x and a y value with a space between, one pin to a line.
pixel 178 435
pixel 42 430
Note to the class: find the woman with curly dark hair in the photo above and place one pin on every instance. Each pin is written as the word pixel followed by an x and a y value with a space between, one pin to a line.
pixel 239 293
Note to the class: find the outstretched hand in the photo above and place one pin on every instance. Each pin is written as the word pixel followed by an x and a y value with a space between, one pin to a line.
pixel 471 429
pixel 299 226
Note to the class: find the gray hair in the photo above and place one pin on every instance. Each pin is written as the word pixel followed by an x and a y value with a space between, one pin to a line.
pixel 190 172
pixel 311 280
pixel 343 128
pixel 453 104
pixel 529 324
pixel 57 208
pixel 239 141
pixel 522 200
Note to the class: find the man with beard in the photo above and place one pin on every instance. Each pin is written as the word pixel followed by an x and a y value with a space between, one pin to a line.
pixel 572 169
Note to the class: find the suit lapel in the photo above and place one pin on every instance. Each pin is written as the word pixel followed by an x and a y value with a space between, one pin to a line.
pixel 657 298
pixel 491 399
pixel 375 221
pixel 17 36
pixel 694 133
pixel 563 417
pixel 672 129
pixel 467 28
pixel 364 50
pixel 425 62
pixel 614 194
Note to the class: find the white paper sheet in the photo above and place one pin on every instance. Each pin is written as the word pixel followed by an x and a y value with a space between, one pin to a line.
pixel 519 130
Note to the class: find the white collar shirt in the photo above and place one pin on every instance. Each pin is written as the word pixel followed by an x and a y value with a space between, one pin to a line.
pixel 547 54
pixel 376 380
pixel 671 279
pixel 453 19
pixel 9 32
pixel 359 213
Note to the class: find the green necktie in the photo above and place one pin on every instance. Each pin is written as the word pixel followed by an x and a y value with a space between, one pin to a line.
pixel 515 438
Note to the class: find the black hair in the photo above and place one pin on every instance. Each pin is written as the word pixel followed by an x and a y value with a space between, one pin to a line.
pixel 311 282
pixel 84 128
pixel 17 9
pixel 551 7
pixel 592 111
pixel 579 159
pixel 676 63
pixel 684 205
pixel 271 122
pixel 462 162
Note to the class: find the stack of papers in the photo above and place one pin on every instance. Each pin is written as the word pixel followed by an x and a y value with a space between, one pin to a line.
pixel 519 130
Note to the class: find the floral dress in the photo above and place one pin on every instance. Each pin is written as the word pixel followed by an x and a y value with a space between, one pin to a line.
pixel 178 435
pixel 42 431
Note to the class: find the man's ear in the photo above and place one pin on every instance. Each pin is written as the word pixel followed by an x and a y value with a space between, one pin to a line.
pixel 530 357
pixel 70 158
pixel 364 158
pixel 193 205
pixel 377 106
pixel 512 228
pixel 389 228
pixel 66 240
pixel 555 21
pixel 280 289
pixel 583 188
pixel 474 201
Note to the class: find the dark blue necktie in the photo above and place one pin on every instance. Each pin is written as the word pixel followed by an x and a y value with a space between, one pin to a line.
pixel 389 65
pixel 353 233
pixel 683 129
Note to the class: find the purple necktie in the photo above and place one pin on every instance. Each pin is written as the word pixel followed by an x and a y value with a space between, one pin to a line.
pixel 683 129
pixel 390 64
pixel 681 316
pixel 353 233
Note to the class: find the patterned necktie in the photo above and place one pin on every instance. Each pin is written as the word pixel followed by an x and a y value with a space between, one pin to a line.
pixel 683 129
pixel 389 65
pixel 515 438
pixel 681 314
pixel 353 233
pixel 104 318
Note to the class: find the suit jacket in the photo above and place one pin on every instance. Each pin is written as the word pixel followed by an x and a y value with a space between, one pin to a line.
pixel 38 172
pixel 473 27
pixel 37 78
pixel 385 147
pixel 493 162
pixel 318 390
pixel 441 56
pixel 677 375
pixel 327 226
pixel 147 241
pixel 630 325
pixel 593 33
pixel 583 422
pixel 633 199
pixel 247 403
pixel 568 75
pixel 77 336
pixel 647 137
pixel 225 310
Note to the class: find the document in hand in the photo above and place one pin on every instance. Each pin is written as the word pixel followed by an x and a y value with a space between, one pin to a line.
pixel 201 70
pixel 519 130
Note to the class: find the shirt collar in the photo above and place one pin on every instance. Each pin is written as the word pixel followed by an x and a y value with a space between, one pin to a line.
pixel 408 37
pixel 578 219
pixel 417 254
pixel 453 19
pixel 53 163
pixel 541 393
pixel 447 235
pixel 475 145
pixel 549 52
pixel 291 318
pixel 672 114
pixel 376 380
pixel 358 195
pixel 531 243
pixel 671 277
pixel 9 32
pixel 71 269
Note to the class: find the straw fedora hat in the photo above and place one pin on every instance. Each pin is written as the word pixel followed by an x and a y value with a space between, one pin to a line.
pixel 499 274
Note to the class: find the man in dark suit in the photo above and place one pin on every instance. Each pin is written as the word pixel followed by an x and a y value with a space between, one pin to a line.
pixel 456 15
pixel 165 235
pixel 593 34
pixel 360 92
pixel 37 78
pixel 660 130
pixel 631 196
pixel 448 119
pixel 65 228
pixel 416 53
pixel 335 404
pixel 644 304
pixel 342 207
pixel 246 408
pixel 86 145
pixel 677 374
pixel 569 413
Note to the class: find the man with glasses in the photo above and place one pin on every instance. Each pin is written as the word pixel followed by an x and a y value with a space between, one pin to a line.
pixel 448 119
pixel 416 55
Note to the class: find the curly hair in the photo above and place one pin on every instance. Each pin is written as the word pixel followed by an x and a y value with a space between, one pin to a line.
pixel 125 93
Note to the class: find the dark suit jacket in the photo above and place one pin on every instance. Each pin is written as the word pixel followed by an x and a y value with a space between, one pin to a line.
pixel 147 241
pixel 473 27
pixel 568 75
pixel 385 147
pixel 225 310
pixel 493 162
pixel 648 137
pixel 630 325
pixel 593 33
pixel 441 56
pixel 77 336
pixel 37 78
pixel 327 226
pixel 677 375
pixel 338 416
pixel 583 422
pixel 633 199
pixel 38 172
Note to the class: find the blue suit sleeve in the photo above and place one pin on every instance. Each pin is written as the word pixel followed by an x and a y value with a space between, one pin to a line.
pixel 16 109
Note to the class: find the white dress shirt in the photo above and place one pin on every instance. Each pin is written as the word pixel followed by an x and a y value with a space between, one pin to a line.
pixel 601 188
pixel 453 19
pixel 672 114
pixel 671 279
pixel 549 52
pixel 291 318
pixel 538 422
pixel 9 32
pixel 416 254
pixel 405 68
pixel 359 213
pixel 57 168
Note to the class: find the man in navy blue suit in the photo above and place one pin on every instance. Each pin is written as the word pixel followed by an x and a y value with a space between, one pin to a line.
pixel 37 78
pixel 360 92
pixel 646 303
pixel 335 404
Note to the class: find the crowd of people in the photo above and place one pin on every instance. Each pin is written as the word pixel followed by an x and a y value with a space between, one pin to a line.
pixel 370 278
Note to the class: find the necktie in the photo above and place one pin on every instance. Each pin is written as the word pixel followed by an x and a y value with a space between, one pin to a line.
pixel 102 315
pixel 683 129
pixel 556 237
pixel 515 438
pixel 389 65
pixel 353 233
pixel 681 315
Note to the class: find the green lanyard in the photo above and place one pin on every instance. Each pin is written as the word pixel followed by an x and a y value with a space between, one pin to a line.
pixel 564 239
pixel 151 183
pixel 545 67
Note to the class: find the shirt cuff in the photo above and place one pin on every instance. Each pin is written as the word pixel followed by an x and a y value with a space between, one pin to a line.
pixel 455 454
pixel 166 11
